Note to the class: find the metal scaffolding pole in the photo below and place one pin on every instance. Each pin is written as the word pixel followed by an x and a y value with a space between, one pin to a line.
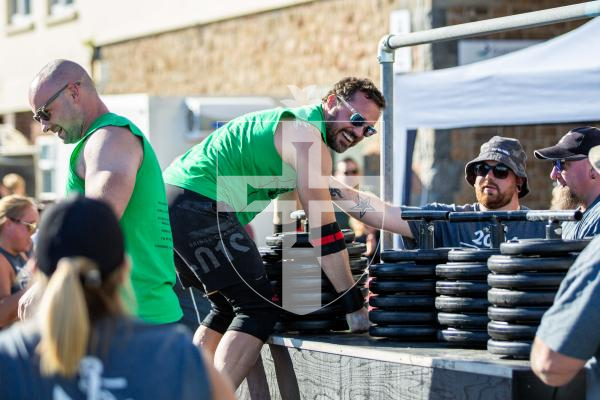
pixel 389 43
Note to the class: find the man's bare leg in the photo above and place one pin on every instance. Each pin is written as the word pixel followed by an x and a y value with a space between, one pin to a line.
pixel 236 354
pixel 207 340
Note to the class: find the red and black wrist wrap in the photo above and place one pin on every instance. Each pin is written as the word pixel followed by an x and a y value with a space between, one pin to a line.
pixel 351 301
pixel 328 239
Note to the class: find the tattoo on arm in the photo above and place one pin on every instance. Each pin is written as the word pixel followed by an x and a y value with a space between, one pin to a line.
pixel 336 193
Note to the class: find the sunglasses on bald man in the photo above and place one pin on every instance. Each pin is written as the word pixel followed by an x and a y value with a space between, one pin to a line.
pixel 42 113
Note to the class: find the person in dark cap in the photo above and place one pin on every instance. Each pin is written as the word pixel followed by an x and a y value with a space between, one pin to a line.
pixel 81 343
pixel 499 178
pixel 568 339
pixel 577 180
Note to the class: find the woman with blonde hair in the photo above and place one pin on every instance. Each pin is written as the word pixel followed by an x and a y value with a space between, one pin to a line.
pixel 18 221
pixel 81 344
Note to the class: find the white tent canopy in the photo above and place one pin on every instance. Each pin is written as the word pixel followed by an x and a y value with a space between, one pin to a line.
pixel 555 81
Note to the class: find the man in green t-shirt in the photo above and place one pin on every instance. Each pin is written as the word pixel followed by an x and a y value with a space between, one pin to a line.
pixel 220 184
pixel 113 161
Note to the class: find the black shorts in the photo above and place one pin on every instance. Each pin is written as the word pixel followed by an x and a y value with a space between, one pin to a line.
pixel 213 245
pixel 214 253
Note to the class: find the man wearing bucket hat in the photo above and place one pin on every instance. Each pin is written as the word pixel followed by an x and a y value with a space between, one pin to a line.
pixel 498 176
pixel 577 180
pixel 568 338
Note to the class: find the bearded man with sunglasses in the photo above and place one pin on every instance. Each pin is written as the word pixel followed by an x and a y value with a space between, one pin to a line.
pixel 112 161
pixel 499 178
pixel 578 183
pixel 220 184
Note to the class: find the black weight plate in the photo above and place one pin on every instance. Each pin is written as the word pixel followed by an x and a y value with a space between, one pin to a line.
pixel 514 298
pixel 513 264
pixel 456 270
pixel 306 313
pixel 526 280
pixel 453 304
pixel 471 255
pixel 466 320
pixel 300 299
pixel 382 287
pixel 401 270
pixel 391 302
pixel 505 331
pixel 462 288
pixel 355 249
pixel 519 350
pixel 384 317
pixel 543 246
pixel 358 264
pixel 314 325
pixel 525 315
pixel 414 333
pixel 306 254
pixel 422 255
pixel 467 337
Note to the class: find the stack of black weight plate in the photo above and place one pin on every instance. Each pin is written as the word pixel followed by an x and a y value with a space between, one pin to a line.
pixel 402 294
pixel 462 297
pixel 300 286
pixel 524 281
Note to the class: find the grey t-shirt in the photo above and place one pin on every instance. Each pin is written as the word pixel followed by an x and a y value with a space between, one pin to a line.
pixel 140 362
pixel 588 226
pixel 572 325
pixel 474 234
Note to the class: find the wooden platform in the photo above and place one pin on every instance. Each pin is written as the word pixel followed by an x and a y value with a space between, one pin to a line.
pixel 349 366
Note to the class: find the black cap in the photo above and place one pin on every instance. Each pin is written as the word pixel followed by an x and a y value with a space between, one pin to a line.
pixel 80 227
pixel 575 145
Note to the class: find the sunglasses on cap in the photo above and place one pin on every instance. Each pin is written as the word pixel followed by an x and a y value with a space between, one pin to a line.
pixel 42 113
pixel 358 120
pixel 31 226
pixel 500 171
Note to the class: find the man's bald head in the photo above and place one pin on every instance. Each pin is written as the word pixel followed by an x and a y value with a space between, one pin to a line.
pixel 57 73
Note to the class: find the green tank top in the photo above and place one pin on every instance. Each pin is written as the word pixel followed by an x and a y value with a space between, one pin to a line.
pixel 239 163
pixel 146 229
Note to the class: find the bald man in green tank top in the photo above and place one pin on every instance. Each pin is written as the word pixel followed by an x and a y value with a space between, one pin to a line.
pixel 112 161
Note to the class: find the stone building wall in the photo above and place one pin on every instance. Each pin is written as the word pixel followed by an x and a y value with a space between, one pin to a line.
pixel 314 43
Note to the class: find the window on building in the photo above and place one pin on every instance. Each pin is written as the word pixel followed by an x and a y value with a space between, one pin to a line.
pixel 19 12
pixel 61 7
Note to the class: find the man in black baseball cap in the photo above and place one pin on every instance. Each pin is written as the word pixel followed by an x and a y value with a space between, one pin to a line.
pixel 577 181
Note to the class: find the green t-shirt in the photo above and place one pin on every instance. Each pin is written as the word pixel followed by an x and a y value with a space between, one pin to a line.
pixel 239 163
pixel 146 228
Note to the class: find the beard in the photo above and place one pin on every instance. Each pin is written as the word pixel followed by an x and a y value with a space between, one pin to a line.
pixel 493 201
pixel 331 135
pixel 563 199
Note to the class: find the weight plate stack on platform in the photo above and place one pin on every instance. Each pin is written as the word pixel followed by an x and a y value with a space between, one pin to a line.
pixel 303 276
pixel 402 294
pixel 462 297
pixel 524 280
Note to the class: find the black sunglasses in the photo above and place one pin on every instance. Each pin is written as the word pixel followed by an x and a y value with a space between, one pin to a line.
pixel 42 113
pixel 358 120
pixel 500 171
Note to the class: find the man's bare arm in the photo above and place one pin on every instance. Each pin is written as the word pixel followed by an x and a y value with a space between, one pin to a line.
pixel 111 159
pixel 302 148
pixel 551 367
pixel 368 208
